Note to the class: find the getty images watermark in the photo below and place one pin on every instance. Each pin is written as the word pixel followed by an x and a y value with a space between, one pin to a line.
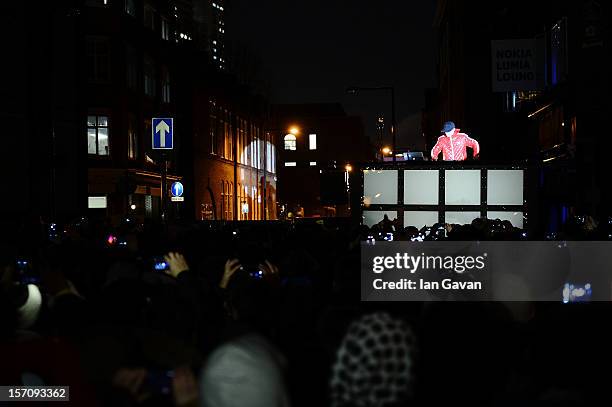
pixel 412 264
pixel 487 271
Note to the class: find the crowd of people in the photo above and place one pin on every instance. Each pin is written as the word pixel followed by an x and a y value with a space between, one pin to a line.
pixel 269 314
pixel 579 227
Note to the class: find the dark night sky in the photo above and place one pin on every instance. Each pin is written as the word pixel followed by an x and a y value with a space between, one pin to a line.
pixel 311 50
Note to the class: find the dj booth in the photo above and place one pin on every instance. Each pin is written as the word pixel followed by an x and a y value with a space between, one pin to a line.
pixel 423 193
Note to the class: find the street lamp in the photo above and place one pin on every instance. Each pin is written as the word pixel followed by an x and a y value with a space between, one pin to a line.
pixel 386 150
pixel 354 90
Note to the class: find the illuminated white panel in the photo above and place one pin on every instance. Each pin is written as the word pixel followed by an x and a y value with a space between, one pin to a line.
pixel 505 187
pixel 371 218
pixel 313 163
pixel 312 141
pixel 516 218
pixel 461 218
pixel 462 187
pixel 290 164
pixel 421 187
pixel 96 202
pixel 420 218
pixel 379 187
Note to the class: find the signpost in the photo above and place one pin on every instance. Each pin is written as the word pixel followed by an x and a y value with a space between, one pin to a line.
pixel 162 129
pixel 177 192
pixel 162 138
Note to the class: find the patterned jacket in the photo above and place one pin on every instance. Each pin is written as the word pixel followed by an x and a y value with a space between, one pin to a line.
pixel 454 147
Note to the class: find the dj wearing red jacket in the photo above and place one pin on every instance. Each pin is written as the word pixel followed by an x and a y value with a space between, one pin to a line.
pixel 453 144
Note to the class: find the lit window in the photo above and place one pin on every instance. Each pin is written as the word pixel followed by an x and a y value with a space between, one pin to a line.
pixel 97 3
pixel 165 86
pixel 290 142
pixel 132 137
pixel 165 29
pixel 96 202
pixel 313 163
pixel 97 135
pixel 290 164
pixel 130 7
pixel 312 141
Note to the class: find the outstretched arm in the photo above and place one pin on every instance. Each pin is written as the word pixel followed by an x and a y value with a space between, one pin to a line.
pixel 473 144
pixel 435 151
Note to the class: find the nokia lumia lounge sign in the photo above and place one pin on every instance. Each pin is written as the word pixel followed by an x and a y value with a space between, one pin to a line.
pixel 514 65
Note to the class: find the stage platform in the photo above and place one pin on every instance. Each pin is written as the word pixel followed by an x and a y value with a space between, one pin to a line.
pixel 423 193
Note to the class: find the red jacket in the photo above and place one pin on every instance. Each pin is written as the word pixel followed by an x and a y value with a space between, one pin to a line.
pixel 454 150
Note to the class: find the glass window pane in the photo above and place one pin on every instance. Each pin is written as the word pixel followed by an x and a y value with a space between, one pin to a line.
pixel 379 187
pixel 462 187
pixel 91 121
pixel 130 7
pixel 371 218
pixel 420 218
pixel 96 202
pixel 421 187
pixel 103 141
pixel 91 141
pixel 461 218
pixel 290 142
pixel 505 187
pixel 516 218
pixel 312 141
pixel 103 121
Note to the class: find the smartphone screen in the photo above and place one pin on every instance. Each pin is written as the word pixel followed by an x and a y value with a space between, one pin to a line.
pixel 160 264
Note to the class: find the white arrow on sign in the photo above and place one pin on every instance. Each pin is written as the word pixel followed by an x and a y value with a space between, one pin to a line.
pixel 162 128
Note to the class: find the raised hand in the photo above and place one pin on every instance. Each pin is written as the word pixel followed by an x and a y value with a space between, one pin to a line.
pixel 177 264
pixel 269 270
pixel 231 266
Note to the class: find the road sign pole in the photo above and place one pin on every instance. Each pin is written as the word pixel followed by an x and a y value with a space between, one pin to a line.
pixel 164 127
pixel 164 190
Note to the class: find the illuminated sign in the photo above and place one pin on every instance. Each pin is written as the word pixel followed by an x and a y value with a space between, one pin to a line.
pixel 514 65
pixel 96 202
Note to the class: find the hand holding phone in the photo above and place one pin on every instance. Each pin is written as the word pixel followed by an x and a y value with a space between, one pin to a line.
pixel 160 264
pixel 231 266
pixel 176 264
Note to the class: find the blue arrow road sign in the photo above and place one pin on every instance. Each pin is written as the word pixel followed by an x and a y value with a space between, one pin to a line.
pixel 162 132
pixel 177 189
